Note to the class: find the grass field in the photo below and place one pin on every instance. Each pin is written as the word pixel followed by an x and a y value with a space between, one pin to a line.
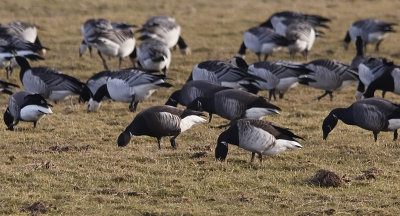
pixel 71 165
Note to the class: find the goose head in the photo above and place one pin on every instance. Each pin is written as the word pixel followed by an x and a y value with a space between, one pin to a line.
pixel 124 138
pixel 329 124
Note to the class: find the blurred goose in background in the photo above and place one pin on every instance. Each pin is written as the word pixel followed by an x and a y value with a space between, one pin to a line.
pixel 160 121
pixel 279 76
pixel 360 56
pixel 370 30
pixel 164 28
pixel 231 74
pixel 368 71
pixel 25 106
pixel 6 87
pixel 301 37
pixel 154 55
pixel 389 81
pixel 130 86
pixel 90 31
pixel 233 104
pixel 49 83
pixel 373 114
pixel 257 136
pixel 328 75
pixel 262 40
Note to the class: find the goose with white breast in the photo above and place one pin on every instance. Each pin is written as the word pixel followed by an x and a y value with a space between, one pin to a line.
pixel 130 86
pixel 373 114
pixel 301 37
pixel 154 55
pixel 257 136
pixel 25 106
pixel 160 121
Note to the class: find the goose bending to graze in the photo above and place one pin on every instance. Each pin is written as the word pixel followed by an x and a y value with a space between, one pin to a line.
pixel 256 136
pixel 373 114
pixel 164 28
pixel 161 121
pixel 98 80
pixel 6 87
pixel 262 40
pixel 130 86
pixel 234 104
pixel 328 75
pixel 389 81
pixel 50 83
pixel 25 106
pixel 279 76
pixel 226 74
pixel 154 55
pixel 370 30
pixel 301 37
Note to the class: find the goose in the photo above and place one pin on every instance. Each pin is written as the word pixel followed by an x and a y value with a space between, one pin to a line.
pixel 166 29
pixel 389 81
pixel 98 80
pixel 160 121
pixel 262 40
pixel 25 106
pixel 279 76
pixel 301 37
pixel 226 74
pixel 154 55
pixel 328 75
pixel 256 136
pixel 130 86
pixel 193 90
pixel 90 31
pixel 373 114
pixel 5 87
pixel 233 104
pixel 368 71
pixel 49 83
pixel 370 30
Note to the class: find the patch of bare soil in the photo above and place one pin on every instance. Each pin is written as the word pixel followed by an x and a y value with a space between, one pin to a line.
pixel 34 209
pixel 327 178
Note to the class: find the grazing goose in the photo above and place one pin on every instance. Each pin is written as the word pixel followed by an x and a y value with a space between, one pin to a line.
pixel 279 76
pixel 49 83
pixel 98 80
pixel 25 106
pixel 368 71
pixel 161 121
pixel 389 81
pixel 5 87
pixel 256 136
pixel 370 30
pixel 226 74
pixel 262 40
pixel 90 31
pixel 166 29
pixel 154 55
pixel 373 114
pixel 328 75
pixel 301 37
pixel 233 104
pixel 130 86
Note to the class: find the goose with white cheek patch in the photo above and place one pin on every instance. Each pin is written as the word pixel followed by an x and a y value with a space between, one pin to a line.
pixel 233 104
pixel 257 136
pixel 161 121
pixel 50 83
pixel 6 87
pixel 328 75
pixel 97 80
pixel 373 114
pixel 154 55
pixel 370 30
pixel 301 37
pixel 164 28
pixel 130 86
pixel 25 106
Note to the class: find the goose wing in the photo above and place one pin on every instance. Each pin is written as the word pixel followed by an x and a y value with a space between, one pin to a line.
pixel 55 80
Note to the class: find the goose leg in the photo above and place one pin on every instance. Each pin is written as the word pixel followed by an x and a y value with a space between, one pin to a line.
pixel 305 54
pixel 323 95
pixel 209 117
pixel 173 143
pixel 260 157
pixel 90 51
pixel 104 61
pixel 133 104
pixel 252 157
pixel 375 135
pixel 281 95
pixel 9 71
pixel 383 94
pixel 34 124
pixel 291 53
pixel 159 143
pixel 272 94
pixel 120 62
pixel 265 56
pixel 395 135
pixel 377 46
pixel 330 95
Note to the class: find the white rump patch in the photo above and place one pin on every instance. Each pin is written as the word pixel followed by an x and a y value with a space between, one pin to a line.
pixel 258 112
pixel 189 121
pixel 394 124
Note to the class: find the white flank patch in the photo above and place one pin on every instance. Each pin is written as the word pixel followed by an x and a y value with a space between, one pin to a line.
pixel 268 48
pixel 376 36
pixel 172 37
pixel 287 83
pixel 394 124
pixel 127 47
pixel 254 139
pixel 59 95
pixel 34 112
pixel 258 112
pixel 107 47
pixel 189 121
pixel 282 145
pixel 119 90
pixel 234 85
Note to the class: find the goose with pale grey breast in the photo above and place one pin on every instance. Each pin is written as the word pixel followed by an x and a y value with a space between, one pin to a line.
pixel 161 121
pixel 25 106
pixel 154 55
pixel 301 37
pixel 373 114
pixel 257 136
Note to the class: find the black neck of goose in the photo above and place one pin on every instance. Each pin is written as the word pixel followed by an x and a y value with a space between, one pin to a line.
pixel 267 24
pixel 341 113
pixel 242 49
pixel 384 83
pixel 251 88
pixel 37 42
pixel 101 92
pixel 85 94
pixel 181 43
pixel 173 100
pixel 202 104
pixel 347 38
pixel 359 46
pixel 24 65
pixel 133 54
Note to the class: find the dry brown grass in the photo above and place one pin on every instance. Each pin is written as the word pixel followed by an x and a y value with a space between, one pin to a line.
pixel 71 164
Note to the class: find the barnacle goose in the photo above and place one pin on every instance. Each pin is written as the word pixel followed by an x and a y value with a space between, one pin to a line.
pixel 154 55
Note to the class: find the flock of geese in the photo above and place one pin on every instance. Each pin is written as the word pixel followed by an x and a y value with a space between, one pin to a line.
pixel 225 88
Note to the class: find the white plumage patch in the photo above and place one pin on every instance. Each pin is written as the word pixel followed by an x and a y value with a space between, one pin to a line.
pixel 189 121
pixel 258 112
pixel 33 112
pixel 287 83
pixel 394 124
pixel 107 47
pixel 254 139
pixel 93 105
pixel 282 145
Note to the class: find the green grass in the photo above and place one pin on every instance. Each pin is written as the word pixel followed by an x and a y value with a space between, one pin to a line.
pixel 71 163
